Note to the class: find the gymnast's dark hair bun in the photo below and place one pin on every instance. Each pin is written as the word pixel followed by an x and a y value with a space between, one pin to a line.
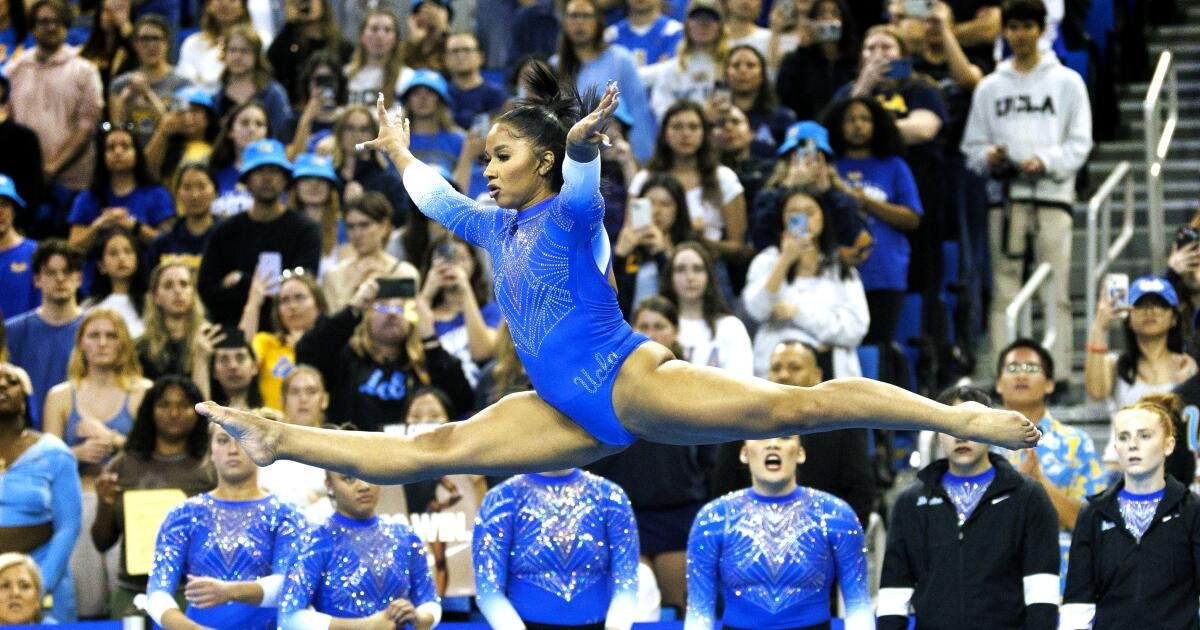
pixel 545 114
pixel 544 89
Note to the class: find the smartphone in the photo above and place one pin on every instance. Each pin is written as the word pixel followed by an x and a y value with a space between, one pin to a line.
pixel 1117 289
pixel 919 9
pixel 899 69
pixel 640 213
pixel 270 265
pixel 721 92
pixel 1185 236
pixel 481 124
pixel 798 225
pixel 828 30
pixel 396 288
pixel 234 338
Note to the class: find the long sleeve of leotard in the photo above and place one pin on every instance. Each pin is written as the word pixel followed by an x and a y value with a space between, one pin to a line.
pixel 580 207
pixel 65 510
pixel 850 557
pixel 171 550
pixel 623 548
pixel 703 557
pixel 303 576
pixel 490 548
pixel 438 200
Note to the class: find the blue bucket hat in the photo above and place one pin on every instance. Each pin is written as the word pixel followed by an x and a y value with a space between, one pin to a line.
pixel 193 95
pixel 264 153
pixel 1152 285
pixel 9 189
pixel 313 165
pixel 430 79
pixel 805 130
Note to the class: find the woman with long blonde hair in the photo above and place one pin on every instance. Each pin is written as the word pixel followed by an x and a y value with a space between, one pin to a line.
pixel 93 411
pixel 177 339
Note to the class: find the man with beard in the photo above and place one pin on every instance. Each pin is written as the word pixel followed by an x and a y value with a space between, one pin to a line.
pixel 233 251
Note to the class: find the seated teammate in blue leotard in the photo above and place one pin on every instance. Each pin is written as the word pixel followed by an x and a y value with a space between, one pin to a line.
pixel 774 550
pixel 598 384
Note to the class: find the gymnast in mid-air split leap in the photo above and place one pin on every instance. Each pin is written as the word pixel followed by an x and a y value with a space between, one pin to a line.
pixel 598 384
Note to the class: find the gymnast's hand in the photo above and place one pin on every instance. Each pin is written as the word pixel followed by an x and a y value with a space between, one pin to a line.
pixel 394 136
pixel 258 436
pixel 589 129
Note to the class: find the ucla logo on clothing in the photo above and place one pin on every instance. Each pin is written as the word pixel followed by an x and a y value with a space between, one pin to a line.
pixel 18 266
pixel 282 367
pixel 394 388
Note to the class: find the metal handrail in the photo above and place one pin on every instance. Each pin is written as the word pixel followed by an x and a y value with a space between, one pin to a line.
pixel 1099 228
pixel 1158 136
pixel 1018 313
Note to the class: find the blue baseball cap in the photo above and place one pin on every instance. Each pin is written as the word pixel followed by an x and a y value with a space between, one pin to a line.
pixel 805 130
pixel 430 79
pixel 193 95
pixel 9 189
pixel 313 165
pixel 264 153
pixel 1152 285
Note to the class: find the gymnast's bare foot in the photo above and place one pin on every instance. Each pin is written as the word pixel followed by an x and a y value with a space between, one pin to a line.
pixel 257 436
pixel 1001 427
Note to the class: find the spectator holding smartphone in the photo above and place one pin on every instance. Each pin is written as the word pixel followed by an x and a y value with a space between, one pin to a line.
pixel 1153 360
pixel 236 243
pixel 309 27
pixel 379 350
pixel 143 96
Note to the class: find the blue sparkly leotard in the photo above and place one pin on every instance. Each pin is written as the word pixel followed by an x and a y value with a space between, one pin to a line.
pixel 559 550
pixel 351 569
pixel 550 265
pixel 234 541
pixel 774 559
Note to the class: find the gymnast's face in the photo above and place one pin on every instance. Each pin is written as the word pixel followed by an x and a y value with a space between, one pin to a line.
pixel 352 497
pixel 517 173
pixel 230 461
pixel 1142 442
pixel 773 462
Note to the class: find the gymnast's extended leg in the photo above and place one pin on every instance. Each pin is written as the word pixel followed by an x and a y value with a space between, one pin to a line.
pixel 518 434
pixel 661 399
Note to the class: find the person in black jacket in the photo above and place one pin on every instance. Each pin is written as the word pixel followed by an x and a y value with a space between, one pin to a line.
pixel 376 353
pixel 973 544
pixel 234 247
pixel 1135 553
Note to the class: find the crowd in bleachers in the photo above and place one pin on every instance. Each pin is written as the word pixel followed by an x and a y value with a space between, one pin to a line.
pixel 798 190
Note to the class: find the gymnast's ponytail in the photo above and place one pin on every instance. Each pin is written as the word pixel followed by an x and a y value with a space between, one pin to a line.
pixel 545 115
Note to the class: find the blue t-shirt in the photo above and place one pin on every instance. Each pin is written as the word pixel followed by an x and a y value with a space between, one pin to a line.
pixel 890 180
pixel 17 293
pixel 43 351
pixel 657 43
pixel 482 99
pixel 148 204
pixel 439 150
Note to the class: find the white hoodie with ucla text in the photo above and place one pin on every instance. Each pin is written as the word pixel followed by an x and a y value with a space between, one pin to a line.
pixel 1043 113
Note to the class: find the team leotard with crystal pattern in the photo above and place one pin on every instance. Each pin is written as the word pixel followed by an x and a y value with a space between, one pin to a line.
pixel 550 265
